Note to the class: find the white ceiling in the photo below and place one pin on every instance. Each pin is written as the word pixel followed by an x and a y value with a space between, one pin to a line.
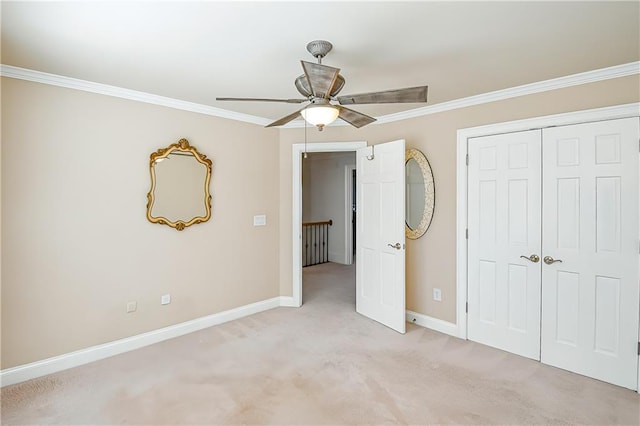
pixel 197 51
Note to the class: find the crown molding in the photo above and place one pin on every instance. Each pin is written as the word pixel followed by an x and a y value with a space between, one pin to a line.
pixel 119 92
pixel 624 70
pixel 609 73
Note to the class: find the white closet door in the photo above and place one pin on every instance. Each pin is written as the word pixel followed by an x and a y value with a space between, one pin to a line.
pixel 590 223
pixel 504 225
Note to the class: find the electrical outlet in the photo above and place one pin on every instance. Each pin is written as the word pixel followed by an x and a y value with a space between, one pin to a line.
pixel 437 295
pixel 131 307
pixel 166 299
pixel 260 220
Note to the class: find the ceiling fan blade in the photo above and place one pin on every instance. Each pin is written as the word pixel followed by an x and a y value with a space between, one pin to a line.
pixel 321 78
pixel 399 96
pixel 285 120
pixel 355 118
pixel 288 101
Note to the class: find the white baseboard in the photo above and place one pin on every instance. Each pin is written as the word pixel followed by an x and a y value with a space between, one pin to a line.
pixel 432 323
pixel 36 369
pixel 288 302
pixel 25 372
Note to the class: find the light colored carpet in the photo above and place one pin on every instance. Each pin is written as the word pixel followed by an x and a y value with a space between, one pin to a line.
pixel 320 364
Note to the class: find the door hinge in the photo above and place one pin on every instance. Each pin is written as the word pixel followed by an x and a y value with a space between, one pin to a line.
pixel 467 159
pixel 466 309
pixel 638 348
pixel 466 233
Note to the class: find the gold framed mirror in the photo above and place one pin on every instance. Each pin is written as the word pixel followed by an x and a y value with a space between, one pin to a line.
pixel 179 194
pixel 419 194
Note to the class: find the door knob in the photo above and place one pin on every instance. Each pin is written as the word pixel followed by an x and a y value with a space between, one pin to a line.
pixel 396 246
pixel 549 260
pixel 533 258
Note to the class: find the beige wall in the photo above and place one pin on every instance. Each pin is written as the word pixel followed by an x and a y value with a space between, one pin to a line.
pixel 431 259
pixel 77 246
pixel 76 242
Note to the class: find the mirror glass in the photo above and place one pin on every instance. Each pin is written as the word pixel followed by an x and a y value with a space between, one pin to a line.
pixel 419 194
pixel 414 194
pixel 179 195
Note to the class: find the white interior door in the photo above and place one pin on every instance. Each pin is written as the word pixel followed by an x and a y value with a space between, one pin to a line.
pixel 380 256
pixel 590 228
pixel 504 242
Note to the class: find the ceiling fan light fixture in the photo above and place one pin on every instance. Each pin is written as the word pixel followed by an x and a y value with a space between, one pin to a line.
pixel 320 115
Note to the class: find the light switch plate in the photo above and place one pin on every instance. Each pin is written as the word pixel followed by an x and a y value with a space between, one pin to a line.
pixel 260 220
pixel 166 299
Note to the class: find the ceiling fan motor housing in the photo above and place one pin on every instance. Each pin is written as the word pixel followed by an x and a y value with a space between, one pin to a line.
pixel 302 84
pixel 319 49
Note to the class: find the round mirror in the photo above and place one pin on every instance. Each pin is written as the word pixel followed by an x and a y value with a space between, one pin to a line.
pixel 419 194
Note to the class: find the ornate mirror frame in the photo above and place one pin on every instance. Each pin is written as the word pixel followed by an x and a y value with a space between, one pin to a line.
pixel 182 146
pixel 429 194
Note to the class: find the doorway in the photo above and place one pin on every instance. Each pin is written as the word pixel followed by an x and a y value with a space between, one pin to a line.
pixel 297 158
pixel 327 213
pixel 327 207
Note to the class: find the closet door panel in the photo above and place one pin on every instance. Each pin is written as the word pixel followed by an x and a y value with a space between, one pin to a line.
pixel 504 224
pixel 590 227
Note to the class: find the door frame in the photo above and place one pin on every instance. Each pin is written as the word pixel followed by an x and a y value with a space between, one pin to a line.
pixel 296 215
pixel 577 117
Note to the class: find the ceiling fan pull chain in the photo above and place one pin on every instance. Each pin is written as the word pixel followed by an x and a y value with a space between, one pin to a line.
pixel 305 137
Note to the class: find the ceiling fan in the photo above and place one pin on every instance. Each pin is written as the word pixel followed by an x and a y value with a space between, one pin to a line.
pixel 320 84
